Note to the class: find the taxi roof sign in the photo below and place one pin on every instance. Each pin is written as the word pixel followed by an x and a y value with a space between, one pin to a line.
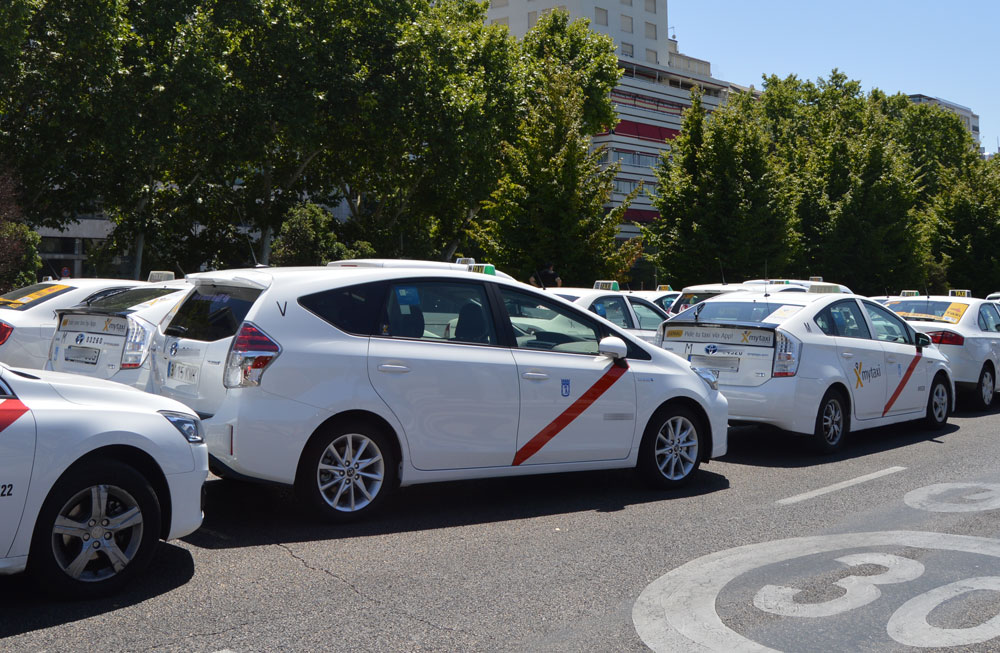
pixel 156 276
pixel 960 293
pixel 483 268
pixel 605 285
pixel 817 279
pixel 465 261
pixel 909 293
pixel 823 288
pixel 664 287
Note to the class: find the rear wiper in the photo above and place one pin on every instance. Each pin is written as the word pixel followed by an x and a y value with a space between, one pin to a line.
pixel 697 310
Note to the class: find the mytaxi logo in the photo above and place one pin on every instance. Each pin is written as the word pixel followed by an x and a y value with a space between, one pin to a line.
pixel 861 375
pixel 107 323
pixel 746 337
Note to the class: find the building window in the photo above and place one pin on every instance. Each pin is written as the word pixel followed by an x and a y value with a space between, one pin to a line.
pixel 651 6
pixel 651 56
pixel 600 16
pixel 501 21
pixel 499 3
pixel 532 18
pixel 626 49
pixel 651 31
pixel 626 24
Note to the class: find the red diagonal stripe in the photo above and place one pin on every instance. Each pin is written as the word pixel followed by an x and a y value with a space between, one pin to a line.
pixel 902 384
pixel 570 414
pixel 10 410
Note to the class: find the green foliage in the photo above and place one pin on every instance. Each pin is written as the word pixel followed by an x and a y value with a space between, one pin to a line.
pixel 307 238
pixel 19 259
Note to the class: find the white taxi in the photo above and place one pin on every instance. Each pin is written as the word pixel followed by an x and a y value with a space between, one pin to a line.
pixel 966 330
pixel 629 311
pixel 692 295
pixel 816 363
pixel 92 475
pixel 349 380
pixel 663 296
pixel 110 338
pixel 28 315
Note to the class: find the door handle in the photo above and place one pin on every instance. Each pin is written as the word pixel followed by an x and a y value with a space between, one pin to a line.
pixel 535 376
pixel 847 354
pixel 890 359
pixel 389 367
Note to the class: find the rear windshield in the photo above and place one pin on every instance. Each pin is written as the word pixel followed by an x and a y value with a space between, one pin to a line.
pixel 720 311
pixel 24 298
pixel 689 299
pixel 928 310
pixel 212 312
pixel 129 298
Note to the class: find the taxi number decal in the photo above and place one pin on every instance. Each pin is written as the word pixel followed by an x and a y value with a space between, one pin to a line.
pixel 10 411
pixel 6 490
pixel 566 418
pixel 902 383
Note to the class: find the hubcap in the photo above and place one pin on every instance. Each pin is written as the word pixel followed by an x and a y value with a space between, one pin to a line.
pixel 97 533
pixel 676 448
pixel 939 403
pixel 833 422
pixel 987 388
pixel 350 472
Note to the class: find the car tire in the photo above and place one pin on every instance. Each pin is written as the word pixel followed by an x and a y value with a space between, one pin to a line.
pixel 938 404
pixel 670 452
pixel 982 396
pixel 833 422
pixel 347 471
pixel 97 530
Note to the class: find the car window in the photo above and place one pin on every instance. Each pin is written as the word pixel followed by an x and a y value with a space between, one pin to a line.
pixel 649 317
pixel 929 310
pixel 119 301
pixel 614 310
pixel 843 319
pixel 24 298
pixel 541 324
pixel 989 320
pixel 353 309
pixel 440 311
pixel 212 312
pixel 103 294
pixel 888 326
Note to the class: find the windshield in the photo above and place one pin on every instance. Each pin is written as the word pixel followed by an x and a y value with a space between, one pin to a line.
pixel 756 311
pixel 129 298
pixel 928 310
pixel 24 298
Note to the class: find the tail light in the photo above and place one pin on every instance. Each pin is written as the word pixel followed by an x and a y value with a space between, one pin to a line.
pixel 946 338
pixel 787 353
pixel 251 353
pixel 136 344
pixel 5 331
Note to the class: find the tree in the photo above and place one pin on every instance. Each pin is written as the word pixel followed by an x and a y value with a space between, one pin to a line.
pixel 19 259
pixel 307 237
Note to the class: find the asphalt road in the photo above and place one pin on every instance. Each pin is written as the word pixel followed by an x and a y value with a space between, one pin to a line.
pixel 588 562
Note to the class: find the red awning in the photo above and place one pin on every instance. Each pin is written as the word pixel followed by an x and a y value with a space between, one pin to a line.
pixel 645 131
pixel 641 215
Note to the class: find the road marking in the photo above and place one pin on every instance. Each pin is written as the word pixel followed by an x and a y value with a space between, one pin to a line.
pixel 977 497
pixel 838 486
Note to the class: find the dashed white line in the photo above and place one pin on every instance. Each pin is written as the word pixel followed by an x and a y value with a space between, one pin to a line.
pixel 838 486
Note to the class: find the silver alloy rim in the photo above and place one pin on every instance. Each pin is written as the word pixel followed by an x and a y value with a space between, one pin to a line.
pixel 350 472
pixel 97 533
pixel 676 448
pixel 939 402
pixel 987 388
pixel 833 421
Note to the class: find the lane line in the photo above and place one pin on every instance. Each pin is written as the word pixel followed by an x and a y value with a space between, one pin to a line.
pixel 838 486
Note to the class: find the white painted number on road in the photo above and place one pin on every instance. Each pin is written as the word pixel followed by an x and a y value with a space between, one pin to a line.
pixel 861 590
pixel 976 497
pixel 677 611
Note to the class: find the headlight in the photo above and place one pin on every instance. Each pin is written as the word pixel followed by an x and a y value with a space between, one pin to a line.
pixel 190 427
pixel 708 376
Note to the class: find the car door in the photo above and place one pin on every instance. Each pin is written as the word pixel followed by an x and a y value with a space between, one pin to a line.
pixel 437 363
pixel 861 358
pixel 648 317
pixel 17 451
pixel 988 323
pixel 905 376
pixel 576 405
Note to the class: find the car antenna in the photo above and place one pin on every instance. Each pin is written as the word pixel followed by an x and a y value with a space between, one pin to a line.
pixel 721 271
pixel 539 277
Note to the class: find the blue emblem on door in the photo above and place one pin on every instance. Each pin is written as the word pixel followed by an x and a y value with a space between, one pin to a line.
pixel 565 387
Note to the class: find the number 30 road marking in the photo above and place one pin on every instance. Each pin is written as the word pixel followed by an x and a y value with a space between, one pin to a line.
pixel 677 611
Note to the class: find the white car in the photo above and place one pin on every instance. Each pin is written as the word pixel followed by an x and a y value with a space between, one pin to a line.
pixel 692 295
pixel 967 331
pixel 805 283
pixel 110 338
pixel 629 311
pixel 662 298
pixel 350 380
pixel 92 474
pixel 821 364
pixel 28 315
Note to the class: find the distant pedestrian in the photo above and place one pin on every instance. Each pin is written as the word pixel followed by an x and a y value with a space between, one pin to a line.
pixel 546 278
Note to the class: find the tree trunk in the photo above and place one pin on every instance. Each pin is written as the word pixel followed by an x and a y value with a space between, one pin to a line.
pixel 140 244
pixel 265 245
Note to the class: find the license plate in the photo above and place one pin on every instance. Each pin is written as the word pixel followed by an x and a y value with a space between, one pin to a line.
pixel 88 355
pixel 182 372
pixel 717 363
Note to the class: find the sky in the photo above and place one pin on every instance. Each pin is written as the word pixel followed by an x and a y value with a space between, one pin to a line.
pixel 942 49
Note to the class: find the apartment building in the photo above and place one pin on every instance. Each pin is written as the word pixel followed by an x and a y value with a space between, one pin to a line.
pixel 969 119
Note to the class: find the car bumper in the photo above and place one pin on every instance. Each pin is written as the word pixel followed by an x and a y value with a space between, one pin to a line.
pixel 789 403
pixel 186 496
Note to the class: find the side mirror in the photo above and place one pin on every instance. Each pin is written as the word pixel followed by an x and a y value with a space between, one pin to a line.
pixel 922 340
pixel 612 347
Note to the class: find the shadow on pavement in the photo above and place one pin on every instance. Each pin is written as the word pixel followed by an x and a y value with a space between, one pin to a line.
pixel 26 607
pixel 241 514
